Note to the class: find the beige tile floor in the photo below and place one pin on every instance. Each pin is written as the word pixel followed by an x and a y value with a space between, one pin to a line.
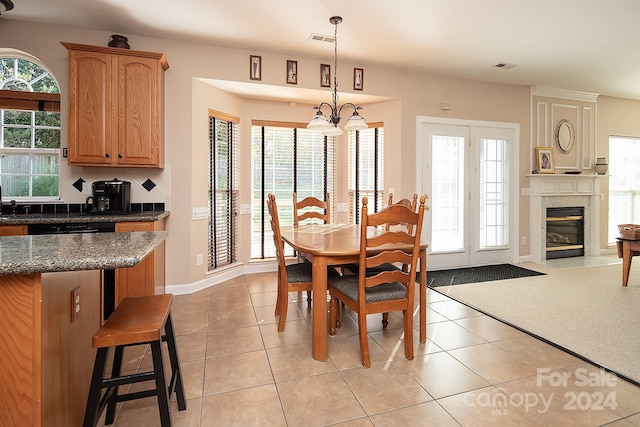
pixel 473 370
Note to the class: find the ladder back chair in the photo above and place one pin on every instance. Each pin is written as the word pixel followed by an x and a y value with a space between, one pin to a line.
pixel 291 278
pixel 311 208
pixel 387 290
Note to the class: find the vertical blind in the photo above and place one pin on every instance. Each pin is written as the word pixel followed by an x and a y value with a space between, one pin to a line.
pixel 286 157
pixel 223 192
pixel 624 184
pixel 366 166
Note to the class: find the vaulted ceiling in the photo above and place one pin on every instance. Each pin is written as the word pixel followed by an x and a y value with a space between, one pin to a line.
pixel 582 45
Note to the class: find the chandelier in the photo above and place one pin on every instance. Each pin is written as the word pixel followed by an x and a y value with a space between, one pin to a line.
pixel 329 126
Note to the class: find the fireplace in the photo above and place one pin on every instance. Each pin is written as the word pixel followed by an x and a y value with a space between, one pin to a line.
pixel 565 232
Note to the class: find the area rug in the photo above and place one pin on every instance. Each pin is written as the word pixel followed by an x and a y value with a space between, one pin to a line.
pixel 485 273
pixel 585 311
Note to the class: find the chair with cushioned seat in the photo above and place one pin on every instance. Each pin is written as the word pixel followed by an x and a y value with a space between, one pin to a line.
pixel 136 321
pixel 387 290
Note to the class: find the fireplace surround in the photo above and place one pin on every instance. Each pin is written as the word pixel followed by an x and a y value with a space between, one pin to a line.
pixel 562 190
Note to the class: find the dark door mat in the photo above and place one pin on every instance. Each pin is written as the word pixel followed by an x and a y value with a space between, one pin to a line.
pixel 484 273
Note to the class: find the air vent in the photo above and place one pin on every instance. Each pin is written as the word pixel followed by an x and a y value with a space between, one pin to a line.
pixel 321 38
pixel 505 65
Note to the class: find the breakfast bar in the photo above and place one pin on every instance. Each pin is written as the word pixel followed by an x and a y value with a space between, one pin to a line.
pixel 50 306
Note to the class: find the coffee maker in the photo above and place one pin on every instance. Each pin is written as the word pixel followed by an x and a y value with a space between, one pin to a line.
pixel 110 197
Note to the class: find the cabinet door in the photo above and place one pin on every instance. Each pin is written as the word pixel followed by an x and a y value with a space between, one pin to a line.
pixel 90 92
pixel 138 280
pixel 13 230
pixel 140 87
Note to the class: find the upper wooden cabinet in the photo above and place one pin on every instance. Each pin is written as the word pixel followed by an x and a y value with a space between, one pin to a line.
pixel 116 107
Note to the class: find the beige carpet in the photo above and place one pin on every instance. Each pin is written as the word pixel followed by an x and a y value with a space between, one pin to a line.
pixel 585 310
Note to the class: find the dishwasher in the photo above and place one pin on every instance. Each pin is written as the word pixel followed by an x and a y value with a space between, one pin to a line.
pixel 108 276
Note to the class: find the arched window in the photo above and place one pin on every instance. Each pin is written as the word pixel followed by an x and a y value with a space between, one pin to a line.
pixel 29 129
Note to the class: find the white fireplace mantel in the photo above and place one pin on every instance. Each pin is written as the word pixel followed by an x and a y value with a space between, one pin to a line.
pixel 564 190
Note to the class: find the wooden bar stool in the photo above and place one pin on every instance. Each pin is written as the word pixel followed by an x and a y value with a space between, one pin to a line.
pixel 136 321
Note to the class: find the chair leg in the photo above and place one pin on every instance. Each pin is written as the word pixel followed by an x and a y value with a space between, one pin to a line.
pixel 408 334
pixel 161 386
pixel 284 306
pixel 176 374
pixel 113 391
pixel 308 299
pixel 333 308
pixel 385 320
pixel 364 341
pixel 92 410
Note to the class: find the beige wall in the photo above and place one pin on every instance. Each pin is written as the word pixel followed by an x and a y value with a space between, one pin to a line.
pixel 187 100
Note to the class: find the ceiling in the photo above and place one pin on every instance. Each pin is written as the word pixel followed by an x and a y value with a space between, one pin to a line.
pixel 582 45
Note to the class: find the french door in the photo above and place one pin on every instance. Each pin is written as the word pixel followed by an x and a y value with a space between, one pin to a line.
pixel 469 173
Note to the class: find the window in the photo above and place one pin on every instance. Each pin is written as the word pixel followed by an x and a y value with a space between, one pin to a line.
pixel 624 184
pixel 29 131
pixel 366 166
pixel 286 158
pixel 223 190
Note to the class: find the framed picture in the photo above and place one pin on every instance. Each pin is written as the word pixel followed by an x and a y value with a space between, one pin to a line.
pixel 358 78
pixel 292 72
pixel 325 75
pixel 544 156
pixel 255 67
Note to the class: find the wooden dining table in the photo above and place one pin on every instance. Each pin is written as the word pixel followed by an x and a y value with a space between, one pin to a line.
pixel 338 244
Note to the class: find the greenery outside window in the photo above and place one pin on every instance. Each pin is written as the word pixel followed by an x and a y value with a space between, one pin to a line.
pixel 29 131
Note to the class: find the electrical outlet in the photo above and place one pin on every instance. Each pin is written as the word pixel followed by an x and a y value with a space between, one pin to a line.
pixel 75 303
pixel 524 240
pixel 199 259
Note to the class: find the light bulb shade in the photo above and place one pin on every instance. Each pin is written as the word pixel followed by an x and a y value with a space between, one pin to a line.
pixel 334 130
pixel 319 122
pixel 5 5
pixel 356 122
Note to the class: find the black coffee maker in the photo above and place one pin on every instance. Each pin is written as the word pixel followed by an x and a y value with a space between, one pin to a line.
pixel 110 197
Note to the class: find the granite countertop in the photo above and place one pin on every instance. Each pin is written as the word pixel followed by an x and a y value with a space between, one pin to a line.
pixel 72 252
pixel 76 217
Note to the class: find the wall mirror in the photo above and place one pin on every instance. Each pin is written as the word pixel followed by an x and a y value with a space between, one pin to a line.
pixel 565 136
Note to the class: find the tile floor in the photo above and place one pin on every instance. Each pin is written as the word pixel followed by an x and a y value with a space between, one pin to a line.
pixel 473 370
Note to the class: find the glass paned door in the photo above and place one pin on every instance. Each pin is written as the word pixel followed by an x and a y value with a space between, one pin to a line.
pixel 467 177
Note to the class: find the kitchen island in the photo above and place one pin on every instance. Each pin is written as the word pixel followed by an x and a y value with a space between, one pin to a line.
pixel 50 306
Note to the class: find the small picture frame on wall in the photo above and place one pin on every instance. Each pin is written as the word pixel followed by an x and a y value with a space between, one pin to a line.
pixel 292 72
pixel 358 78
pixel 544 156
pixel 325 75
pixel 255 67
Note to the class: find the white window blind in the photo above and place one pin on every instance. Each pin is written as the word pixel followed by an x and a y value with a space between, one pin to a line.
pixel 624 184
pixel 366 167
pixel 223 192
pixel 286 158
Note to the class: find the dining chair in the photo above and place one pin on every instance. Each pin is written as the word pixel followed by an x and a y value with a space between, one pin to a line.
pixel 291 278
pixel 311 208
pixel 388 290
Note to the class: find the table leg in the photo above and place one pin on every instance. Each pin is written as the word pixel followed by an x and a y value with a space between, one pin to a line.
pixel 626 262
pixel 423 296
pixel 319 326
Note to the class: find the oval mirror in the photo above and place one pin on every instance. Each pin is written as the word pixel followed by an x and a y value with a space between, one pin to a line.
pixel 565 136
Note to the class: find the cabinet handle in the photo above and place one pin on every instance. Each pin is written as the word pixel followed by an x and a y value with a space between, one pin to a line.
pixel 107 155
pixel 120 155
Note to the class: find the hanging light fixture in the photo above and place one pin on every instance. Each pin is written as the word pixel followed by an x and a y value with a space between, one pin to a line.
pixel 329 126
pixel 5 5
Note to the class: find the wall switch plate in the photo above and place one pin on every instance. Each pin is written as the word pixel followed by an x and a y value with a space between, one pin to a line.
pixel 342 207
pixel 199 259
pixel 245 209
pixel 75 303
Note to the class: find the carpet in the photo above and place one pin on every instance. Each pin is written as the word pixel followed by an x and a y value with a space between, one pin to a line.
pixel 485 273
pixel 584 311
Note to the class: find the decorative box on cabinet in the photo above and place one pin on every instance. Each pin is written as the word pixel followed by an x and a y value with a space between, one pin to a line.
pixel 116 107
pixel 148 277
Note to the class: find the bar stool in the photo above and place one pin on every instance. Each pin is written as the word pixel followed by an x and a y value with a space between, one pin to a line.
pixel 136 321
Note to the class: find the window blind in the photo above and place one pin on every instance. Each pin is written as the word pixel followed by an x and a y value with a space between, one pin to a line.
pixel 624 184
pixel 366 170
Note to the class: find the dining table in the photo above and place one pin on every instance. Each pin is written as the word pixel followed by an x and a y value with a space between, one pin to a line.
pixel 334 245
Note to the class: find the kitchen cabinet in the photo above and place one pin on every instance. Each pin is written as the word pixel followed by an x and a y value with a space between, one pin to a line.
pixel 13 230
pixel 148 277
pixel 116 107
